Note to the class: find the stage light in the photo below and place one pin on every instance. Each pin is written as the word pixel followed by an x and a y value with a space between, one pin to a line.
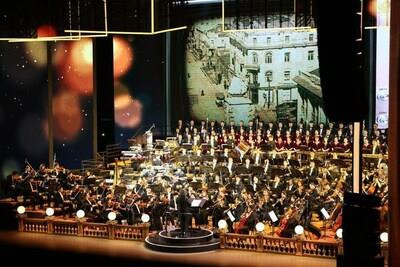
pixel 49 212
pixel 222 224
pixel 21 210
pixel 260 227
pixel 299 230
pixel 145 218
pixel 80 214
pixel 111 216
pixel 339 233
pixel 384 237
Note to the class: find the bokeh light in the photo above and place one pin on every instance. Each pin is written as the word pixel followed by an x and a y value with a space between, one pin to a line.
pixel 17 67
pixel 46 31
pixel 37 53
pixel 67 116
pixel 128 111
pixel 123 56
pixel 76 68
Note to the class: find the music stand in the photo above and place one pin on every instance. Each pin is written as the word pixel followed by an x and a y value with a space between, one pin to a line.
pixel 197 204
pixel 274 219
pixel 326 215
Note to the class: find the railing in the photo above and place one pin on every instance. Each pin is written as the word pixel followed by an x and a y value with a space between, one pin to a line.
pixel 259 243
pixel 293 246
pixel 83 228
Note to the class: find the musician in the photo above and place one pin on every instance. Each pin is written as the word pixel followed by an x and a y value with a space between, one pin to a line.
pixel 346 145
pixel 329 135
pixel 221 128
pixel 191 126
pixel 376 148
pixel 212 128
pixel 179 127
pixel 247 165
pixel 271 128
pixel 203 128
pixel 255 185
pixel 267 168
pixel 301 129
pixel 366 147
pixel 321 129
pixel 291 129
pixel 312 172
pixel 288 145
pixel 62 202
pixel 279 146
pixel 316 145
pixel 184 211
pixel 311 128
pixel 290 187
pixel 326 147
pixel 336 145
pixel 231 166
pixel 257 158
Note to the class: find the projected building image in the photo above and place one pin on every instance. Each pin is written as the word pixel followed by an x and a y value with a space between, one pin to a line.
pixel 238 76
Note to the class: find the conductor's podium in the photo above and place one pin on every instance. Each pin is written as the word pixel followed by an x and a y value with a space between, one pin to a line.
pixel 195 240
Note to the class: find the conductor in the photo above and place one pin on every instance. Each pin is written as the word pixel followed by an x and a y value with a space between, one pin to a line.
pixel 184 213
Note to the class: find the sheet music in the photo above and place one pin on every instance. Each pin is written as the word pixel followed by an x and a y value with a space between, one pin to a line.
pixel 230 215
pixel 272 215
pixel 196 202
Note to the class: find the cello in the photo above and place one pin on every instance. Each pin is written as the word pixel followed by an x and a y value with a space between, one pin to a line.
pixel 284 222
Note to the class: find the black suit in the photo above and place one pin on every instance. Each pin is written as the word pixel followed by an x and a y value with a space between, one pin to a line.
pixel 184 211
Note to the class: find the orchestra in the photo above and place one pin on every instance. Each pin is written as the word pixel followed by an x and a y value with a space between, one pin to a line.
pixel 241 172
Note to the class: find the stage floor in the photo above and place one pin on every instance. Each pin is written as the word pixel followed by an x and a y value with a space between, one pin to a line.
pixel 136 251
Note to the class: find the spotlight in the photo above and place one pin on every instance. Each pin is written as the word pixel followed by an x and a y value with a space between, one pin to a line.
pixel 384 237
pixel 339 233
pixel 145 218
pixel 260 227
pixel 222 224
pixel 80 214
pixel 21 210
pixel 111 216
pixel 49 212
pixel 299 230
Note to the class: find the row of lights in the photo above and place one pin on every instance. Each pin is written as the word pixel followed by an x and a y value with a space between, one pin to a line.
pixel 222 224
pixel 80 214
pixel 299 230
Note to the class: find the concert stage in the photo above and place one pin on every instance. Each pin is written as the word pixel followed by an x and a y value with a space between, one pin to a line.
pixel 195 240
pixel 72 251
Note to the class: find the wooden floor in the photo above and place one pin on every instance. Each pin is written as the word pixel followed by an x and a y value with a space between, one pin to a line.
pixel 137 251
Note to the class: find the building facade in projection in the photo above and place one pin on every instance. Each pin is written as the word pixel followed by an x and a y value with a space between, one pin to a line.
pixel 263 63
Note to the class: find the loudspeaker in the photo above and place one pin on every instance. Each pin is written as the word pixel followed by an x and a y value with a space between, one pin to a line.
pixel 341 59
pixel 361 229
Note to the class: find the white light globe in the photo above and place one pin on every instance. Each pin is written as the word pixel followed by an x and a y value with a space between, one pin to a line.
pixel 80 214
pixel 112 216
pixel 21 210
pixel 299 230
pixel 49 212
pixel 260 227
pixel 222 224
pixel 339 233
pixel 384 237
pixel 145 218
